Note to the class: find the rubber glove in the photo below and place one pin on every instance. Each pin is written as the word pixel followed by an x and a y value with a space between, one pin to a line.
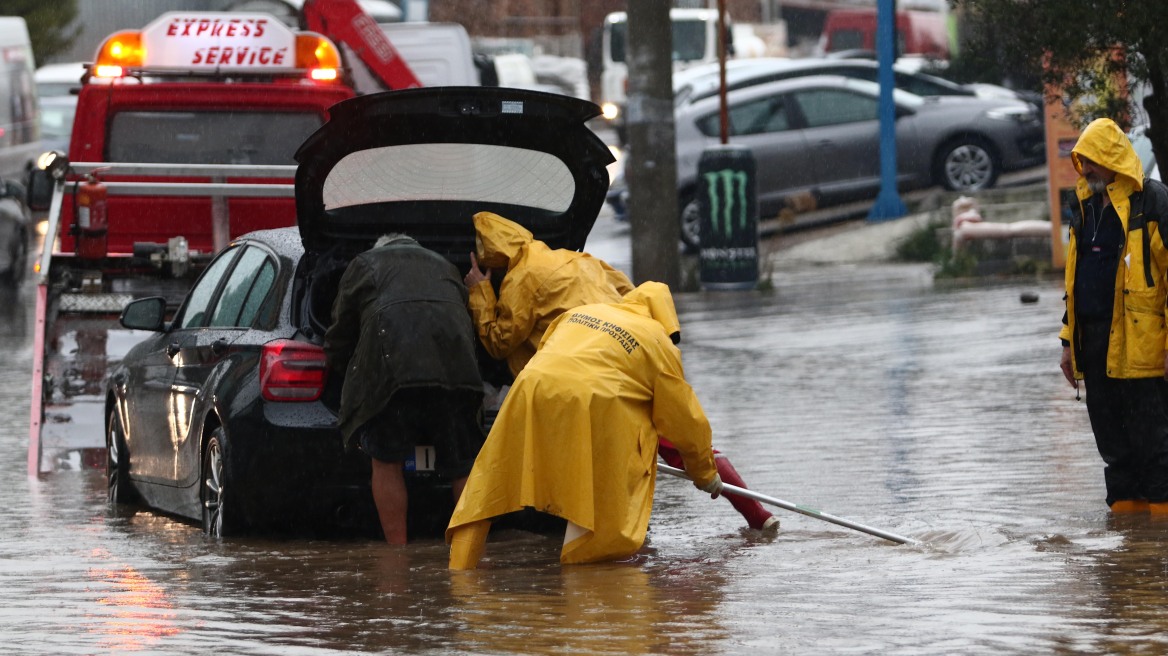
pixel 713 488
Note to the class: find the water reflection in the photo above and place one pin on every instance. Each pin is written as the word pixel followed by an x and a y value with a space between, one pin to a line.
pixel 139 611
pixel 634 607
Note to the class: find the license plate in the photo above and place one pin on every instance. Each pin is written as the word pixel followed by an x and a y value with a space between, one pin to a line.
pixel 422 460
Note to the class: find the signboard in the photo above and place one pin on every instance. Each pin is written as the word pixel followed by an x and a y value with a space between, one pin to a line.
pixel 1061 136
pixel 218 42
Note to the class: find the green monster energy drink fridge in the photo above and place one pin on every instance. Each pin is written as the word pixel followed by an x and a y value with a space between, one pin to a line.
pixel 728 207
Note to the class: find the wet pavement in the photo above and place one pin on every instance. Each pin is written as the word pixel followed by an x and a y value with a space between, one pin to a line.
pixel 859 389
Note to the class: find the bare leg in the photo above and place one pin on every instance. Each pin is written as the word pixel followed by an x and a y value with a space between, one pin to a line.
pixel 389 494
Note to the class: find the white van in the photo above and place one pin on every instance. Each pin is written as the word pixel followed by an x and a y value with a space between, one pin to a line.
pixel 695 41
pixel 20 139
pixel 59 79
pixel 438 54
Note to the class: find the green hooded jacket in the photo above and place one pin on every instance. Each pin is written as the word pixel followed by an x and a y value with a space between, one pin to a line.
pixel 399 321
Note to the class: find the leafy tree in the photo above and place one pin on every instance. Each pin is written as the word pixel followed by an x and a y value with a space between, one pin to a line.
pixel 1086 46
pixel 48 24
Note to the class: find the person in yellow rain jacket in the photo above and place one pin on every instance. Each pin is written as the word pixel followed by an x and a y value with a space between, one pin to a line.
pixel 577 435
pixel 539 285
pixel 1113 332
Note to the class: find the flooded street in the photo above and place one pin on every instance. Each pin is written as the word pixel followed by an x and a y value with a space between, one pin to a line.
pixel 861 391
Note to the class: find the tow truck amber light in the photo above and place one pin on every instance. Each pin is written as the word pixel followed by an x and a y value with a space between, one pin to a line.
pixel 292 371
pixel 318 55
pixel 119 52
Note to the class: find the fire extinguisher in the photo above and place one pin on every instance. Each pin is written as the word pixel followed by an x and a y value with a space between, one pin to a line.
pixel 92 219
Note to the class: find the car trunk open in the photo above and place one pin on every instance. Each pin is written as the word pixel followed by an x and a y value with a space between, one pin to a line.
pixel 424 161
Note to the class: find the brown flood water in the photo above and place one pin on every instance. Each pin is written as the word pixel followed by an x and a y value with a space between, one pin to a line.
pixel 860 391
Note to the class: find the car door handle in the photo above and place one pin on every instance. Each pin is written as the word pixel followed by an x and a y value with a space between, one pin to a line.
pixel 173 348
pixel 219 347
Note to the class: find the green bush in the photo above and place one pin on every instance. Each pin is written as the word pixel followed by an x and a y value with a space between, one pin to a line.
pixel 921 245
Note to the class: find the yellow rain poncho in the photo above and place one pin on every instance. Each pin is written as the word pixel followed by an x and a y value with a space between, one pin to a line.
pixel 541 283
pixel 1138 335
pixel 577 434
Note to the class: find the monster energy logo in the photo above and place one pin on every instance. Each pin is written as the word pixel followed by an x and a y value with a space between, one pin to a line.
pixel 733 188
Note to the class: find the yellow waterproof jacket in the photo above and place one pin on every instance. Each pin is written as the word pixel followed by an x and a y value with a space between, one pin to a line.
pixel 577 434
pixel 1138 336
pixel 541 283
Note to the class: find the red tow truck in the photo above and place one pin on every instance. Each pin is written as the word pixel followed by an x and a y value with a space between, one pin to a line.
pixel 184 139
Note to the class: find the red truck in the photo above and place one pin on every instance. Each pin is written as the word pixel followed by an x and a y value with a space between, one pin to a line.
pixel 919 33
pixel 184 139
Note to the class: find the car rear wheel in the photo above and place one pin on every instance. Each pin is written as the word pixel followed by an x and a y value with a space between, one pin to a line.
pixel 120 490
pixel 967 165
pixel 17 258
pixel 220 517
pixel 691 222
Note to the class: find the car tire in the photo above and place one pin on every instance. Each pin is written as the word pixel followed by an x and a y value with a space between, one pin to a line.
pixel 690 220
pixel 967 164
pixel 220 514
pixel 17 258
pixel 120 491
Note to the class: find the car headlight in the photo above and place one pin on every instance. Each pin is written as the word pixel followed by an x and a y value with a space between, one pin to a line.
pixel 610 111
pixel 1018 114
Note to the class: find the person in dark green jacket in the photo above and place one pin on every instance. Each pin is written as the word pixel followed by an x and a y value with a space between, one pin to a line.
pixel 403 338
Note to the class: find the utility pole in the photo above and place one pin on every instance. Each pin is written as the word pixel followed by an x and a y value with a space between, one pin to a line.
pixel 652 163
pixel 888 204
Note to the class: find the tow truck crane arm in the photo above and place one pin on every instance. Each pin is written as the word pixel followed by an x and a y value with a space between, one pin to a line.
pixel 344 21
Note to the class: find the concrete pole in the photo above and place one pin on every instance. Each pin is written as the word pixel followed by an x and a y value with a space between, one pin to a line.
pixel 652 163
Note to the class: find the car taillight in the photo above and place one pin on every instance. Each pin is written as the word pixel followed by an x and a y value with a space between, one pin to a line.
pixel 292 371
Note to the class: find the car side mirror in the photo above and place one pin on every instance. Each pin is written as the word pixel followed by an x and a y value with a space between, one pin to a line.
pixel 51 166
pixel 40 190
pixel 145 314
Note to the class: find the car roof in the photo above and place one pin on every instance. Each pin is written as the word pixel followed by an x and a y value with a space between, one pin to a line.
pixel 58 79
pixel 710 103
pixel 774 69
pixel 424 161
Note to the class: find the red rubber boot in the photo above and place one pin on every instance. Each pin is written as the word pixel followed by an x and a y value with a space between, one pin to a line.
pixel 757 517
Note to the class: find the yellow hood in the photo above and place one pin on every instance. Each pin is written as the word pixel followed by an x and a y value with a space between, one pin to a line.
pixel 500 240
pixel 656 297
pixel 1105 144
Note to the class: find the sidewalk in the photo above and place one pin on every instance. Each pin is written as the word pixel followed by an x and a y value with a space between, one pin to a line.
pixel 852 242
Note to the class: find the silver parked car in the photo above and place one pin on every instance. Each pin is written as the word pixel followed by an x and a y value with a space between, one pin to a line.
pixel 816 142
pixel 704 81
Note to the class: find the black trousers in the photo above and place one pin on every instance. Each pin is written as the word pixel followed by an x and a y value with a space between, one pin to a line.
pixel 1129 417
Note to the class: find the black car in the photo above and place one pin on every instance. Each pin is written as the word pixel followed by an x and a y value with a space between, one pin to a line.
pixel 226 414
pixel 16 227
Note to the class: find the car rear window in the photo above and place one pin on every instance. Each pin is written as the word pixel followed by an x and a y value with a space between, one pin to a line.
pixel 450 172
pixel 186 137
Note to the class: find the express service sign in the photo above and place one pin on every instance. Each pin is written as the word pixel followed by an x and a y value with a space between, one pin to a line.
pixel 218 42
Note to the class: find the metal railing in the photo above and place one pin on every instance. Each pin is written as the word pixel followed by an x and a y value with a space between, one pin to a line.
pixel 217 189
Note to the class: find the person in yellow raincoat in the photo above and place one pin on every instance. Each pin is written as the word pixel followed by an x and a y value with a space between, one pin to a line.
pixel 539 285
pixel 577 435
pixel 1113 334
